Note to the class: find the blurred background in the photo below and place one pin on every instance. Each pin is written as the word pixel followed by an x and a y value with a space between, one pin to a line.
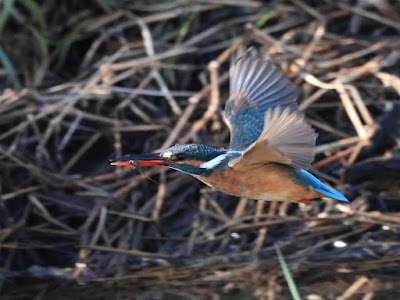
pixel 85 81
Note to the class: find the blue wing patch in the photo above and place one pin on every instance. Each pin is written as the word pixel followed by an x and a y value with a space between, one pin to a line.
pixel 255 86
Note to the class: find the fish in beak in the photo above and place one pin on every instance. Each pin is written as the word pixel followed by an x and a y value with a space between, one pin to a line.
pixel 143 160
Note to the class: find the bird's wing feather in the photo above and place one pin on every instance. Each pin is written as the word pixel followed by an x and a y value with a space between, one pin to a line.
pixel 255 86
pixel 286 138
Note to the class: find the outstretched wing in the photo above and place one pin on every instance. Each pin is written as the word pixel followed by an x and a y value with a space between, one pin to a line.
pixel 255 86
pixel 286 138
pixel 262 117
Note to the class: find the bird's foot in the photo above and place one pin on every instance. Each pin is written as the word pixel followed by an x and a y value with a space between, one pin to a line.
pixel 306 201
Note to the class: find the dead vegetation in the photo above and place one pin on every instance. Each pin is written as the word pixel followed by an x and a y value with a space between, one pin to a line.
pixel 106 80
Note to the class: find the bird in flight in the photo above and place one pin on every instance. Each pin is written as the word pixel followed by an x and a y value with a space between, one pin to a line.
pixel 271 145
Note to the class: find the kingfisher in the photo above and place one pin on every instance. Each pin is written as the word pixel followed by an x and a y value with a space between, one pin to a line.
pixel 271 145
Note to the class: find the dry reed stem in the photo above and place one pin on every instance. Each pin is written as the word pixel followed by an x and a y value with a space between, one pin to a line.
pixel 55 144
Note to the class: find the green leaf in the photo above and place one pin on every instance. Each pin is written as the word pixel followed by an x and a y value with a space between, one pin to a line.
pixel 41 40
pixel 69 40
pixel 8 66
pixel 5 9
pixel 104 5
pixel 39 70
pixel 35 11
pixel 183 31
pixel 264 18
pixel 288 275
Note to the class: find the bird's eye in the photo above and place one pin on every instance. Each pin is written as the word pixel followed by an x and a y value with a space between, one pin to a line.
pixel 179 156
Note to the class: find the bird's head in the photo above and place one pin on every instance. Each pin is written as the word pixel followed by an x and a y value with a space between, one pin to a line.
pixel 193 159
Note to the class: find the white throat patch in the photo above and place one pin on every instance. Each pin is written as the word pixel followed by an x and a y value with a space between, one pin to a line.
pixel 214 162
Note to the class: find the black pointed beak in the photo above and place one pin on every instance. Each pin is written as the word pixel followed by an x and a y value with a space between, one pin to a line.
pixel 144 160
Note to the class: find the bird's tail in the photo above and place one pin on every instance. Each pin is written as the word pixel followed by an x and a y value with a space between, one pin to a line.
pixel 332 193
pixel 306 179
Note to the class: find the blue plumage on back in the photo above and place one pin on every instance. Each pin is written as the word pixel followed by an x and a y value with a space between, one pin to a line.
pixel 255 86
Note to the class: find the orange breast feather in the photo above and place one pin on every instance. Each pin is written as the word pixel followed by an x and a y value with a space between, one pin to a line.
pixel 259 181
